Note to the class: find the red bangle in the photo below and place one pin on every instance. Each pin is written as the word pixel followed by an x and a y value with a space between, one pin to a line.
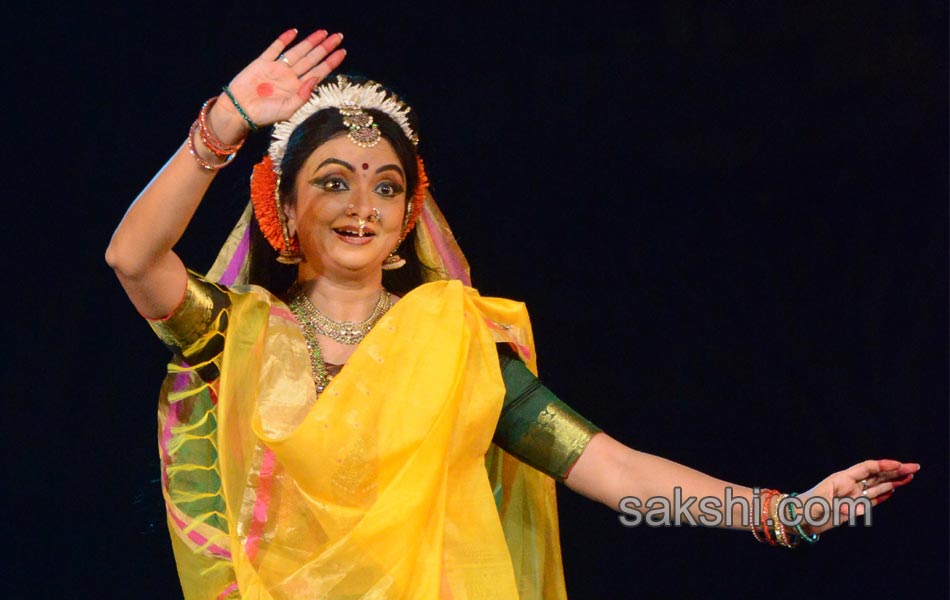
pixel 202 162
pixel 765 516
pixel 752 518
pixel 214 144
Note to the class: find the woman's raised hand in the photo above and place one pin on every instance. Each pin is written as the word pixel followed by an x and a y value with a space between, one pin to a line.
pixel 280 80
pixel 875 480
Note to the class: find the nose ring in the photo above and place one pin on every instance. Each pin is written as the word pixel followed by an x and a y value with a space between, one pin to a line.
pixel 375 217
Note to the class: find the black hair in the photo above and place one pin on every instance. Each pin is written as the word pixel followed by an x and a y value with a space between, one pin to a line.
pixel 263 268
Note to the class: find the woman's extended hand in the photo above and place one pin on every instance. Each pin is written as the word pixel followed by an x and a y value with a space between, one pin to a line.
pixel 875 480
pixel 280 80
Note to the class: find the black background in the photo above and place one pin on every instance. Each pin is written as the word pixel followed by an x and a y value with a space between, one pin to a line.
pixel 729 222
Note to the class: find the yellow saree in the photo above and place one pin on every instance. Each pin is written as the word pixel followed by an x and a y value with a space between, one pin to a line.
pixel 388 486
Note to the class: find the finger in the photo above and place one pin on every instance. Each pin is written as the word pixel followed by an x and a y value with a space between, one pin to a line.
pixel 878 490
pixel 324 68
pixel 904 481
pixel 869 468
pixel 871 494
pixel 888 464
pixel 300 49
pixel 318 53
pixel 274 50
pixel 864 470
pixel 908 468
pixel 307 88
pixel 894 476
pixel 882 498
pixel 901 474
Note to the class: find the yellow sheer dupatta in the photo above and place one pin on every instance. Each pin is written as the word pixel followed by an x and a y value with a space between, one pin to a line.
pixel 379 490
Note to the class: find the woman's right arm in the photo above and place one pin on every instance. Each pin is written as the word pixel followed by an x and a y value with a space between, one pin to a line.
pixel 269 90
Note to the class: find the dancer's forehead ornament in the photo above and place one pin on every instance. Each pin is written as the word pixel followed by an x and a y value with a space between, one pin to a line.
pixel 351 99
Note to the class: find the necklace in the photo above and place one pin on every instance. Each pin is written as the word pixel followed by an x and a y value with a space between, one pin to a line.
pixel 321 378
pixel 345 332
pixel 305 312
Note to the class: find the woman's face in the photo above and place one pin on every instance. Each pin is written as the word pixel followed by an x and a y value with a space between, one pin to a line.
pixel 339 188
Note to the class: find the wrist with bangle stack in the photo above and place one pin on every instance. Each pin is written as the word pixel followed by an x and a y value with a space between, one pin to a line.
pixel 770 528
pixel 211 141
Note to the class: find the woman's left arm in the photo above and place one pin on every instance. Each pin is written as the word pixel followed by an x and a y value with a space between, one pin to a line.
pixel 610 472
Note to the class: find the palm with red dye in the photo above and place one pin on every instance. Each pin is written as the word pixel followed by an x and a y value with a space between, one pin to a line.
pixel 280 80
pixel 881 477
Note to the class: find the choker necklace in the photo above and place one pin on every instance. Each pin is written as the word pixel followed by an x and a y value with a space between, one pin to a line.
pixel 314 322
pixel 345 332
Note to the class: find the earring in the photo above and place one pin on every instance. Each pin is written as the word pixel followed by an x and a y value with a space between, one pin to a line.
pixel 287 255
pixel 393 262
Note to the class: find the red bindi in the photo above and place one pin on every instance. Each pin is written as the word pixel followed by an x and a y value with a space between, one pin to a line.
pixel 365 166
pixel 265 89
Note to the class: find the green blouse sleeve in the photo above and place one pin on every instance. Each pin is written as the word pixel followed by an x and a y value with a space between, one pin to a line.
pixel 195 330
pixel 535 426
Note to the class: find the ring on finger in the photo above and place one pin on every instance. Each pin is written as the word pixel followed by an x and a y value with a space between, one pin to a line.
pixel 284 59
pixel 864 485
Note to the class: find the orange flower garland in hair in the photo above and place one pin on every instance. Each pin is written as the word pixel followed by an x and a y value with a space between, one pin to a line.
pixel 414 207
pixel 265 201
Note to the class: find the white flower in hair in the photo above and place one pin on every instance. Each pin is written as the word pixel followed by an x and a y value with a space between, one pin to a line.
pixel 342 93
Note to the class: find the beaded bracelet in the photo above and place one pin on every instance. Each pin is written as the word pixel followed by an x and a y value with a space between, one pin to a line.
pixel 194 152
pixel 810 538
pixel 778 534
pixel 254 126
pixel 213 143
pixel 755 532
pixel 758 536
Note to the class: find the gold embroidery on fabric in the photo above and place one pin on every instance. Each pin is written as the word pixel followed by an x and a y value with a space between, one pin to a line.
pixel 559 434
pixel 191 320
pixel 355 477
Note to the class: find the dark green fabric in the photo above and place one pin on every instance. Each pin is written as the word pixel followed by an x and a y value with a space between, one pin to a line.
pixel 525 425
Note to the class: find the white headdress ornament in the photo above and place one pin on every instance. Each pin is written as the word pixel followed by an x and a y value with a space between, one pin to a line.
pixel 340 94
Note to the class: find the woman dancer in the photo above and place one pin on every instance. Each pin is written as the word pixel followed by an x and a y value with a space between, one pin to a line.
pixel 346 418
